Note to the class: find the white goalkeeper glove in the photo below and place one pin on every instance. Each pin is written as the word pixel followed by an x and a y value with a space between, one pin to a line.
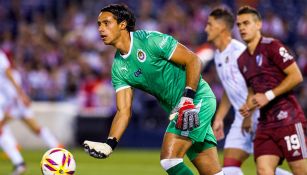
pixel 100 150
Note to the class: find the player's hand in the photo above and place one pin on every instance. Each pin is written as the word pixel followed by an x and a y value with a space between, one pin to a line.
pixel 187 115
pixel 259 100
pixel 247 125
pixel 97 149
pixel 218 129
pixel 245 111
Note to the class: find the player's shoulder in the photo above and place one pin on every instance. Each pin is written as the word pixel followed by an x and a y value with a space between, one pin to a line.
pixel 147 35
pixel 272 45
pixel 3 58
pixel 153 39
pixel 268 41
pixel 237 45
pixel 2 55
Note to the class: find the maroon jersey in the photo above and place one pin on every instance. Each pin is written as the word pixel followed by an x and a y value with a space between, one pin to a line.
pixel 263 71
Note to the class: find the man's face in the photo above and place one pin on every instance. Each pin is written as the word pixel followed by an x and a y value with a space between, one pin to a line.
pixel 248 26
pixel 214 28
pixel 108 28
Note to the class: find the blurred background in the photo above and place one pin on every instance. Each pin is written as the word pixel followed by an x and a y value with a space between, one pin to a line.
pixel 66 68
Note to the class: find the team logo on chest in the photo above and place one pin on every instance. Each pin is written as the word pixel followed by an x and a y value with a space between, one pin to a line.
pixel 138 72
pixel 141 55
pixel 259 59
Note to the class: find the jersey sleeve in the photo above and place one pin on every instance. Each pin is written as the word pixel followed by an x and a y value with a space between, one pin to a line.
pixel 117 80
pixel 162 45
pixel 280 55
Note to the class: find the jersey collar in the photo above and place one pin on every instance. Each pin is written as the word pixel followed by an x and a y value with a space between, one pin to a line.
pixel 131 44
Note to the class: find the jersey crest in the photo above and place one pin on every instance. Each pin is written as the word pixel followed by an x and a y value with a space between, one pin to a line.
pixel 138 72
pixel 141 55
pixel 259 59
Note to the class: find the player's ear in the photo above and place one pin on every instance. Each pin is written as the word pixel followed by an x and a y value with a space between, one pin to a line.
pixel 123 25
pixel 259 24
pixel 224 27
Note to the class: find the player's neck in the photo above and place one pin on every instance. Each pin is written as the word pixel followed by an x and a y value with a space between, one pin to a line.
pixel 252 45
pixel 123 44
pixel 222 42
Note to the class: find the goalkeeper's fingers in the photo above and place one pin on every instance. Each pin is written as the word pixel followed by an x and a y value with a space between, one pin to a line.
pixel 190 120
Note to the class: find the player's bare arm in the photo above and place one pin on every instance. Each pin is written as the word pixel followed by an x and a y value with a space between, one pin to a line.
pixel 293 78
pixel 192 63
pixel 120 122
pixel 247 109
pixel 187 112
pixel 218 124
pixel 122 117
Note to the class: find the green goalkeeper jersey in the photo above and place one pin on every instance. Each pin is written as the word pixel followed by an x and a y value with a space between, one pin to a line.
pixel 147 66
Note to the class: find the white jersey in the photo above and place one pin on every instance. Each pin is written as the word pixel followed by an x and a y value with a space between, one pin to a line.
pixel 231 77
pixel 4 64
pixel 9 100
pixel 5 83
pixel 7 89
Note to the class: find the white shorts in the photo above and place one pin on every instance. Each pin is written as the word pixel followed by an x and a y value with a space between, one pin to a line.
pixel 235 137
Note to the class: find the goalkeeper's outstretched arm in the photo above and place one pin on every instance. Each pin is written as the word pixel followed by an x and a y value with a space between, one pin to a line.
pixel 120 122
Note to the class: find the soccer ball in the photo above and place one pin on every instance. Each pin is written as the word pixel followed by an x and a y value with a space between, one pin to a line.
pixel 58 161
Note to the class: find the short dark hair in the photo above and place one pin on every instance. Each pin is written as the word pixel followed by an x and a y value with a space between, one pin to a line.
pixel 249 10
pixel 225 15
pixel 121 13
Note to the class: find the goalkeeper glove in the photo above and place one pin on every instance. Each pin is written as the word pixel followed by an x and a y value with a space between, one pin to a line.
pixel 100 150
pixel 187 112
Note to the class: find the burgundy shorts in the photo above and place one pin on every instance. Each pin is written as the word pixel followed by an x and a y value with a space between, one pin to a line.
pixel 288 142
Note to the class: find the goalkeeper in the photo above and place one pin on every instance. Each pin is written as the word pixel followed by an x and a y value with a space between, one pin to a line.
pixel 158 64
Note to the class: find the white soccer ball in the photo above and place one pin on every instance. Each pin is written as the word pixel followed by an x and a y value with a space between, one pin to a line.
pixel 58 161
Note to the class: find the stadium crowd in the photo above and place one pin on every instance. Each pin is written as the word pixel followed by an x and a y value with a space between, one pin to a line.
pixel 56 46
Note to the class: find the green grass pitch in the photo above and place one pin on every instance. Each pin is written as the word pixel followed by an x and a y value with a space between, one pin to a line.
pixel 122 162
